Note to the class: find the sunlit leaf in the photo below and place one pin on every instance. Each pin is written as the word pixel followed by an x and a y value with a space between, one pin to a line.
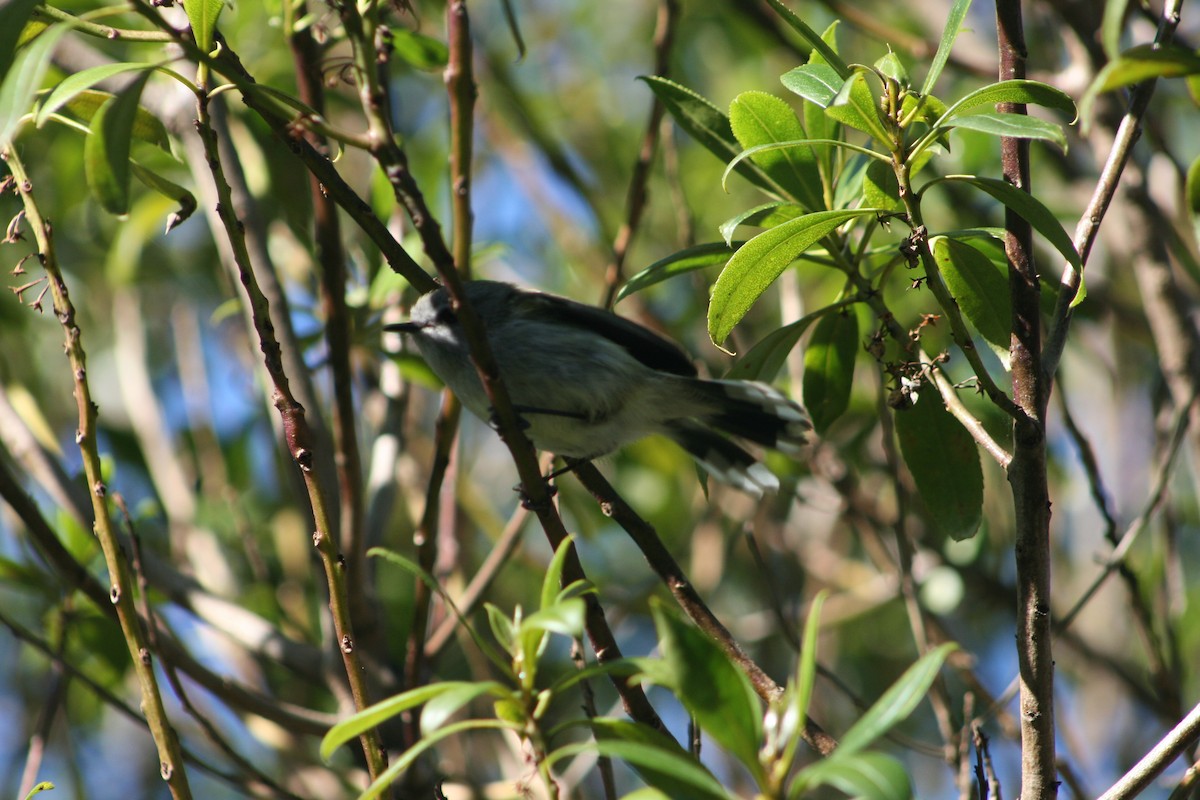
pixel 24 78
pixel 1141 63
pixel 13 16
pixel 768 215
pixel 944 462
pixel 758 118
pixel 816 83
pixel 755 266
pixel 80 81
pixel 662 764
pixel 690 259
pixel 865 776
pixel 819 44
pixel 184 199
pixel 1019 126
pixel 419 50
pixel 856 106
pixel 954 21
pixel 202 16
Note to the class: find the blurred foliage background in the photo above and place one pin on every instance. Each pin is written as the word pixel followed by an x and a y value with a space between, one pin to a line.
pixel 191 443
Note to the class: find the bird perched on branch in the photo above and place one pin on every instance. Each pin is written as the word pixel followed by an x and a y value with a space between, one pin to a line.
pixel 586 382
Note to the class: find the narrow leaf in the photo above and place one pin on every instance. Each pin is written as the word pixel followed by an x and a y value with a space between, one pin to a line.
pixel 1012 91
pixel 711 688
pixel 552 581
pixel 1141 63
pixel 79 81
pixel 699 256
pixel 1018 126
pixel 829 368
pixel 670 769
pixel 980 289
pixel 768 215
pixel 202 16
pixel 817 43
pixel 13 16
pixel 766 358
pixel 707 124
pixel 900 700
pixel 866 776
pixel 958 12
pixel 418 50
pixel 455 696
pixel 23 80
pixel 1029 207
pixel 185 199
pixel 1111 26
pixel 146 127
pixel 106 149
pixel 880 187
pixel 944 463
pixel 761 260
pixel 758 118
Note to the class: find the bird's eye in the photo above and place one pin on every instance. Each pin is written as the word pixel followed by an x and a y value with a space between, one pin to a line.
pixel 445 316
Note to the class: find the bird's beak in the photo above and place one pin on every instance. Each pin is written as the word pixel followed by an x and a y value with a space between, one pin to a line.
pixel 404 327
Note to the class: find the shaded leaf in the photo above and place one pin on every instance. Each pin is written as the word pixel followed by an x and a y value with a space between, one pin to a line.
pixel 146 127
pixel 827 51
pixel 1013 91
pixel 24 78
pixel 1141 63
pixel 980 289
pixel 1028 206
pixel 78 82
pixel 867 776
pixel 944 462
pixel 666 767
pixel 855 106
pixel 900 700
pixel 829 368
pixel 1111 26
pixel 13 16
pixel 454 696
pixel 880 187
pixel 419 50
pixel 711 688
pixel 766 358
pixel 185 199
pixel 755 266
pixel 106 148
pixel 687 260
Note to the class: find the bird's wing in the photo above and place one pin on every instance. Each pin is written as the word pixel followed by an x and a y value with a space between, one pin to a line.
pixel 656 352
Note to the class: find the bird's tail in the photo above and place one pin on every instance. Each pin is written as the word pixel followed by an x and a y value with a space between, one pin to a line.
pixel 756 412
pixel 722 458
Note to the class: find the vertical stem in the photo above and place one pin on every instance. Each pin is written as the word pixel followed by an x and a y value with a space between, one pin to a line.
pixel 121 592
pixel 1027 472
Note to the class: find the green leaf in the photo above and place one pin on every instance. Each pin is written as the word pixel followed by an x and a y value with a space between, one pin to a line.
pixel 798 695
pixel 418 50
pixel 660 762
pixel 1012 91
pixel 552 581
pixel 1019 126
pixel 866 776
pixel 1144 62
pixel 890 66
pixel 564 617
pixel 687 260
pixel 41 786
pixel 106 149
pixel 77 82
pixel 944 463
pixel 818 43
pixel 817 83
pixel 980 289
pixel 406 759
pixel 185 199
pixel 502 627
pixel 1026 205
pixel 1111 26
pixel 766 358
pixel 856 107
pixel 768 215
pixel 707 124
pixel 954 21
pixel 384 710
pixel 755 266
pixel 711 688
pixel 13 16
pixel 146 127
pixel 880 187
pixel 24 78
pixel 829 368
pixel 202 16
pixel 455 695
pixel 758 118
pixel 900 700
pixel 817 125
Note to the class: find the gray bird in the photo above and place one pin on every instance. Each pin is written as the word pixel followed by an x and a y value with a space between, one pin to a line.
pixel 587 382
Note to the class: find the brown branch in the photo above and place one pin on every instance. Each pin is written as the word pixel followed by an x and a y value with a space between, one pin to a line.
pixel 121 592
pixel 668 569
pixel 331 260
pixel 1027 472
pixel 635 203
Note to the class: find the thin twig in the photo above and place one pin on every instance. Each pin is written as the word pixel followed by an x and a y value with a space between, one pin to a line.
pixel 1159 758
pixel 1088 226
pixel 955 406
